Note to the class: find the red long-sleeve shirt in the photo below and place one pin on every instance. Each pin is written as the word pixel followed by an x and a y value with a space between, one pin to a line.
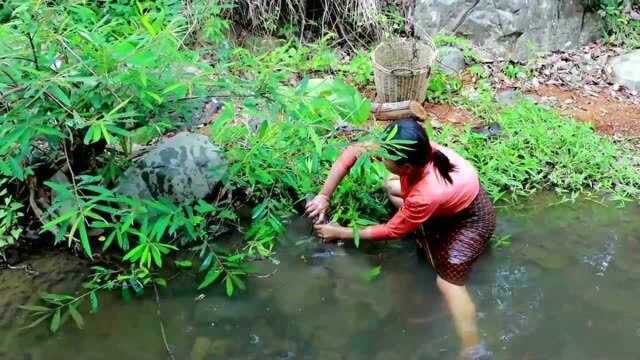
pixel 426 195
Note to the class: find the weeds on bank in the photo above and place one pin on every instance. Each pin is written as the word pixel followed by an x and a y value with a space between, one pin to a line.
pixel 90 81
pixel 540 149
pixel 620 29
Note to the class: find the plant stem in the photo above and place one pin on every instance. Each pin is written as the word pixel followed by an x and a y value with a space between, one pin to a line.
pixel 33 51
pixel 10 77
pixel 164 335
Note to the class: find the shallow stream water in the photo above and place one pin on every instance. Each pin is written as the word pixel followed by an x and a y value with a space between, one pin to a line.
pixel 567 288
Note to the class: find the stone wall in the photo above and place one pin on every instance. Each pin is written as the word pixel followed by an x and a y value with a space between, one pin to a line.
pixel 511 29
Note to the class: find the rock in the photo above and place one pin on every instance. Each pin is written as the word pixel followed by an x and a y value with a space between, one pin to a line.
pixel 626 70
pixel 200 348
pixel 509 97
pixel 451 60
pixel 513 29
pixel 301 289
pixel 219 348
pixel 205 112
pixel 490 131
pixel 547 258
pixel 184 168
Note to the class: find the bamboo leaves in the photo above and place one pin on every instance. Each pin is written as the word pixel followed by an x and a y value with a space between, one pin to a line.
pixel 60 308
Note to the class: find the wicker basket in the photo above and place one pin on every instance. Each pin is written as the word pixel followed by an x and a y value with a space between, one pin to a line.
pixel 401 69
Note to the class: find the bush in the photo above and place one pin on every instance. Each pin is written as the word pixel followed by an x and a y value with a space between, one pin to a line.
pixel 619 27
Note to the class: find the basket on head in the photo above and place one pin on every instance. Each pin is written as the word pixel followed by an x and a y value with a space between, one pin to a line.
pixel 401 69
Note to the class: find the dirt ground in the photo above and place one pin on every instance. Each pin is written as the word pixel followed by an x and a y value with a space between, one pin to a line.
pixel 609 115
pixel 443 113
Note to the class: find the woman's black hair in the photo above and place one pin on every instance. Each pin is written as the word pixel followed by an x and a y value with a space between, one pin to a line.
pixel 419 152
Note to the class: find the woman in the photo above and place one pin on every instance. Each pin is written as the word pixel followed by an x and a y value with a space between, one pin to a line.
pixel 439 195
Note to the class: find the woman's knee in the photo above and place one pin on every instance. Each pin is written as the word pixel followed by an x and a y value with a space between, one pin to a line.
pixel 392 186
pixel 448 288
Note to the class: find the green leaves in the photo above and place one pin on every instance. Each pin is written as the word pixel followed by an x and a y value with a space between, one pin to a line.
pixel 356 236
pixel 373 273
pixel 183 264
pixel 93 299
pixel 212 275
pixel 229 286
pixel 334 99
pixel 55 321
pixel 148 251
pixel 10 215
pixel 59 308
pixel 77 318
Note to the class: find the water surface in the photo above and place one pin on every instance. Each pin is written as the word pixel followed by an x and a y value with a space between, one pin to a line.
pixel 567 288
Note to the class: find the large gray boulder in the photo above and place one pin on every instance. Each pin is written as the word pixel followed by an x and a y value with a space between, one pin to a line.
pixel 184 168
pixel 626 70
pixel 511 29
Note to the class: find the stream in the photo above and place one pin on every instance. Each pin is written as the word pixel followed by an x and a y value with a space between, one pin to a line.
pixel 566 288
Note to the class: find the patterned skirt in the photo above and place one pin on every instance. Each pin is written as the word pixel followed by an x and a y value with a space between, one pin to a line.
pixel 452 244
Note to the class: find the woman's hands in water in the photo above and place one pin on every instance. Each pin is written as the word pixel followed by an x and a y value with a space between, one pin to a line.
pixel 332 232
pixel 317 207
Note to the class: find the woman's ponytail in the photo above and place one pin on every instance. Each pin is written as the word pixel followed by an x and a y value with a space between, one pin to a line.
pixel 443 165
pixel 418 152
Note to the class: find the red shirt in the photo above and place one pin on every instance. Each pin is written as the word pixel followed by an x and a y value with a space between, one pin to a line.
pixel 426 195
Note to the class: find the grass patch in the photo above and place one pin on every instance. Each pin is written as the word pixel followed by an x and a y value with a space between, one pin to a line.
pixel 540 149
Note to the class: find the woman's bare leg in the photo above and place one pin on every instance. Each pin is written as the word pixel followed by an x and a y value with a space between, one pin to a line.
pixel 463 311
pixel 394 192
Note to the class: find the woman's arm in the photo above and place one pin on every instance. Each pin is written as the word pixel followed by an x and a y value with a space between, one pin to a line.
pixel 341 167
pixel 415 211
pixel 331 232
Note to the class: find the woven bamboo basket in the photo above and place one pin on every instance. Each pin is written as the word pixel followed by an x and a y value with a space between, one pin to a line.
pixel 401 69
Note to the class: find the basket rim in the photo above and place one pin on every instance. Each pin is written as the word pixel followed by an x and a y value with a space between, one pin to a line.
pixel 418 70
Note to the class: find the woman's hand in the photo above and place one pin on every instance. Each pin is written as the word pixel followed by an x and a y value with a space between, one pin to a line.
pixel 317 207
pixel 332 232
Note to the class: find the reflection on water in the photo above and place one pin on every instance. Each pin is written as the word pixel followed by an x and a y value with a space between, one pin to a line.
pixel 565 289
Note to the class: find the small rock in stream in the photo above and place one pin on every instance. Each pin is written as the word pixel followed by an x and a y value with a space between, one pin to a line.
pixel 200 348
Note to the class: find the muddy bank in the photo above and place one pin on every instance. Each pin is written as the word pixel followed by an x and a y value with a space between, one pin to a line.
pixel 21 284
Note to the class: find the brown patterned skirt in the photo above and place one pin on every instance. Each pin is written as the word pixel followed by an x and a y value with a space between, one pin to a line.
pixel 452 244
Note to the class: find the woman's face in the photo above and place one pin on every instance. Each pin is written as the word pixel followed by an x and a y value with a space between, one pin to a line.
pixel 401 170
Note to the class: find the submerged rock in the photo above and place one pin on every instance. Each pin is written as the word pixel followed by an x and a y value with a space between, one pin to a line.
pixel 626 70
pixel 200 348
pixel 515 29
pixel 214 309
pixel 53 272
pixel 184 168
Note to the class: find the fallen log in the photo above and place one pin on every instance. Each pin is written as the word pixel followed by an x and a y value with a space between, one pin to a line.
pixel 399 110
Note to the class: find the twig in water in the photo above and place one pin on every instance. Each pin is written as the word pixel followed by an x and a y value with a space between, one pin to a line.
pixel 164 335
pixel 265 276
pixel 26 268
